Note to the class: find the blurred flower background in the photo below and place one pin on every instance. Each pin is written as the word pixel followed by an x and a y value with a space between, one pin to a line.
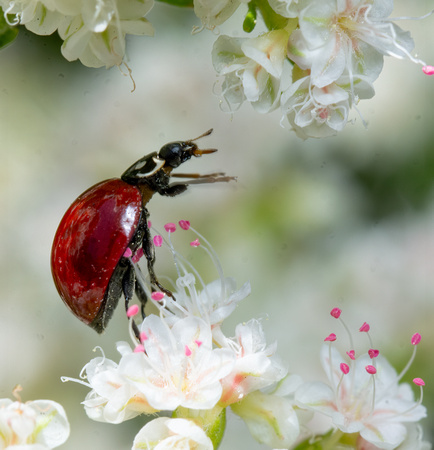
pixel 347 221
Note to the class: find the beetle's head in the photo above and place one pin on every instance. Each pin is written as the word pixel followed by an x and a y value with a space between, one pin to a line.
pixel 176 153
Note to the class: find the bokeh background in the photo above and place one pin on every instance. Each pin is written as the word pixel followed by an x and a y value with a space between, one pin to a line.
pixel 347 221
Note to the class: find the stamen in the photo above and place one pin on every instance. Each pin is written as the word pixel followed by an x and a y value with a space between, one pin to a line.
pixel 352 354
pixel 428 70
pixel 138 255
pixel 158 240
pixel 418 382
pixel 139 349
pixel 157 296
pixel 195 243
pixel 184 224
pixel 345 368
pixel 373 353
pixel 170 227
pixel 336 312
pixel 371 369
pixel 187 351
pixel 415 339
pixel 364 328
pixel 331 337
pixel 143 336
pixel 128 253
pixel 198 343
pixel 132 311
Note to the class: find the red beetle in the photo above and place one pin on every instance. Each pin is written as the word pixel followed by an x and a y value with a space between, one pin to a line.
pixel 88 264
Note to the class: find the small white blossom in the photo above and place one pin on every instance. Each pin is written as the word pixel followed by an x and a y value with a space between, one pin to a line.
pixel 215 12
pixel 165 434
pixel 286 8
pixel 34 425
pixel 338 36
pixel 179 366
pixel 377 408
pixel 256 365
pixel 319 112
pixel 252 69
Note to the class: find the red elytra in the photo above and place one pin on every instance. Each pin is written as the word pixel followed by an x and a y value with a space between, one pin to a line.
pixel 89 243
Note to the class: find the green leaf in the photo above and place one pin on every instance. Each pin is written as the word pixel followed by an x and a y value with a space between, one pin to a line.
pixel 7 33
pixel 181 3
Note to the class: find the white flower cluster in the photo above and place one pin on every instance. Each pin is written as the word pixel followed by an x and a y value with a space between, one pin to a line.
pixel 184 363
pixel 93 31
pixel 34 425
pixel 316 67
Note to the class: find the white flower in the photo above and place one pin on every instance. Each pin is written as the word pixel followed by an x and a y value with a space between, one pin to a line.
pixel 252 69
pixel 319 112
pixel 215 12
pixel 286 8
pixel 179 366
pixel 38 17
pixel 375 406
pixel 165 434
pixel 339 35
pixel 256 366
pixel 36 425
pixel 112 399
pixel 97 35
pixel 213 304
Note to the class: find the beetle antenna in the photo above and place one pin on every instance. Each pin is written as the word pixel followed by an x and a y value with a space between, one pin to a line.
pixel 207 133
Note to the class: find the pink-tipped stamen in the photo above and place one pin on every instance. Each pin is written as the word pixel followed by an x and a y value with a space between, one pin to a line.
pixel 371 369
pixel 198 343
pixel 149 224
pixel 143 336
pixel 157 296
pixel 158 240
pixel 170 227
pixel 132 311
pixel 416 338
pixel 184 224
pixel 352 355
pixel 418 382
pixel 187 351
pixel 345 368
pixel 195 243
pixel 365 327
pixel 373 353
pixel 128 253
pixel 336 313
pixel 139 348
pixel 428 70
pixel 330 338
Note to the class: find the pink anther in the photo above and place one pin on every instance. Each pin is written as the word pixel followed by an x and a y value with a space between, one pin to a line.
pixel 418 382
pixel 158 240
pixel 132 311
pixel 143 336
pixel 198 343
pixel 157 295
pixel 187 351
pixel 170 227
pixel 365 327
pixel 373 353
pixel 371 369
pixel 195 243
pixel 331 337
pixel 139 349
pixel 428 70
pixel 128 252
pixel 136 258
pixel 352 354
pixel 416 338
pixel 345 368
pixel 336 312
pixel 184 224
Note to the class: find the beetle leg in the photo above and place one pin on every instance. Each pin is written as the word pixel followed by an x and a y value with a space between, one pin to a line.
pixel 141 294
pixel 196 175
pixel 148 250
pixel 128 284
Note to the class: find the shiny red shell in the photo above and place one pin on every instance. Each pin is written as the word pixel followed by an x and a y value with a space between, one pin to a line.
pixel 91 239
